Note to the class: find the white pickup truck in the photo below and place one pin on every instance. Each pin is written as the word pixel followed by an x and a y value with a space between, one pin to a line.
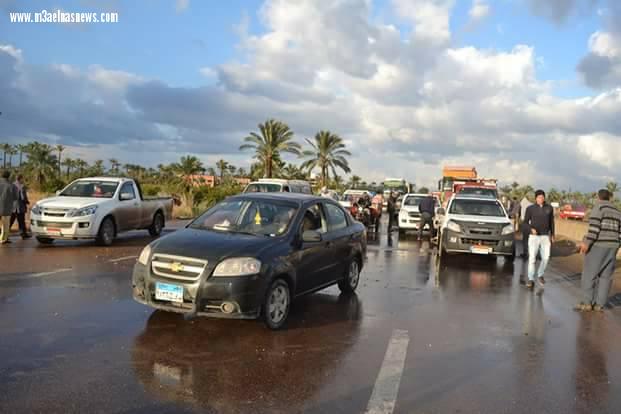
pixel 98 208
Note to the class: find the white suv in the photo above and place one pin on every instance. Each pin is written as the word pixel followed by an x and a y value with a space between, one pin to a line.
pixel 477 225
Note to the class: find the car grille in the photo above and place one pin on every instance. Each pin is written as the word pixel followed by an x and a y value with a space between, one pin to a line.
pixel 56 212
pixel 413 214
pixel 178 267
pixel 53 224
pixel 478 242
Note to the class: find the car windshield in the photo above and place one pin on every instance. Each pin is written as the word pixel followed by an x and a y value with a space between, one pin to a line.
pixel 261 218
pixel 477 208
pixel 413 200
pixel 486 192
pixel 263 188
pixel 97 189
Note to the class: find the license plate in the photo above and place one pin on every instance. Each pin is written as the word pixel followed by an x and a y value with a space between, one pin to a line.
pixel 168 292
pixel 480 250
pixel 53 230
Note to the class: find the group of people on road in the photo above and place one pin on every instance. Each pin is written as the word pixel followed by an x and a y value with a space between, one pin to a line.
pixel 13 206
pixel 599 246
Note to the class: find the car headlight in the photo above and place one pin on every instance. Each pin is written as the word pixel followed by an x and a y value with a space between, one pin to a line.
pixel 85 211
pixel 508 229
pixel 452 226
pixel 143 259
pixel 36 210
pixel 239 266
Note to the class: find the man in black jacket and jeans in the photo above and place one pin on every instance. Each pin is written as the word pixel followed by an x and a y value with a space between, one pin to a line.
pixel 427 209
pixel 539 218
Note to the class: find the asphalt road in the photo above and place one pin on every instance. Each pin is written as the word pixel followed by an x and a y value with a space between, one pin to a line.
pixel 463 336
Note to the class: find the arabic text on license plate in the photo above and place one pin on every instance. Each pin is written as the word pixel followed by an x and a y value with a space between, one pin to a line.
pixel 53 230
pixel 166 291
pixel 480 250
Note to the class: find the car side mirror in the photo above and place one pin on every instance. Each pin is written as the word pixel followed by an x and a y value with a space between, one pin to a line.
pixel 127 196
pixel 441 211
pixel 311 236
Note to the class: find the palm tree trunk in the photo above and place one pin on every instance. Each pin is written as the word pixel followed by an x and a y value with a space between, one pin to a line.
pixel 20 159
pixel 268 169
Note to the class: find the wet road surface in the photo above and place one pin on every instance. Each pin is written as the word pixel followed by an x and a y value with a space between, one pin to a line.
pixel 459 336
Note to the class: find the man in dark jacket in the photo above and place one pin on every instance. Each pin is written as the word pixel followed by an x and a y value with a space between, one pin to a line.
pixel 600 247
pixel 21 207
pixel 539 218
pixel 392 210
pixel 8 196
pixel 427 209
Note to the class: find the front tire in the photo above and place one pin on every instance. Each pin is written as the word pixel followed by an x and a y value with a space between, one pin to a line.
pixel 45 240
pixel 158 224
pixel 352 278
pixel 276 305
pixel 107 231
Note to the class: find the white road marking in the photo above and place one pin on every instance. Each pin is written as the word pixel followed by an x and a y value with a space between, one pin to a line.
pixel 121 259
pixel 387 384
pixel 35 275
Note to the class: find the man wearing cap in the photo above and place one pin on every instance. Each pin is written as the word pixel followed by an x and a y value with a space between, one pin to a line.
pixel 539 218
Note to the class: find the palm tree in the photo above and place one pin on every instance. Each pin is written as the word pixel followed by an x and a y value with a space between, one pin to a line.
pixel 613 187
pixel 211 171
pixel 98 168
pixel 223 167
pixel 41 162
pixel 5 149
pixel 275 137
pixel 69 164
pixel 22 149
pixel 114 166
pixel 328 152
pixel 241 172
pixel 354 182
pixel 81 165
pixel 12 151
pixel 188 166
pixel 60 148
pixel 292 172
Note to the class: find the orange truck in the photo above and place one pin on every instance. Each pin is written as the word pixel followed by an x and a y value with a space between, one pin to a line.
pixel 464 179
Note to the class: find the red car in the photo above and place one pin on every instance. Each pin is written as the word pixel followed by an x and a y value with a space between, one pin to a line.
pixel 573 212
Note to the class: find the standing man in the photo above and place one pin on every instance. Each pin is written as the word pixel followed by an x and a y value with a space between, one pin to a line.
pixel 427 209
pixel 600 246
pixel 539 218
pixel 8 196
pixel 392 210
pixel 21 207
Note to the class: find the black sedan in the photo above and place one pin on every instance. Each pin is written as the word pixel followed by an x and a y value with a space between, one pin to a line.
pixel 250 256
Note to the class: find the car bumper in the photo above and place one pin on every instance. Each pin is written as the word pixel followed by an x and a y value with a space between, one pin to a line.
pixel 204 297
pixel 454 242
pixel 409 223
pixel 64 228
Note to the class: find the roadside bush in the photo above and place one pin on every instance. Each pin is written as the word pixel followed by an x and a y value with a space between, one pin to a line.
pixel 151 189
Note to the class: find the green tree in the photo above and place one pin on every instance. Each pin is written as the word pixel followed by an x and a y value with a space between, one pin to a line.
pixel 41 163
pixel 327 154
pixel 223 168
pixel 188 166
pixel 292 172
pixel 97 169
pixel 81 166
pixel 11 152
pixel 21 148
pixel 114 166
pixel 5 150
pixel 60 148
pixel 274 137
pixel 613 187
pixel 354 181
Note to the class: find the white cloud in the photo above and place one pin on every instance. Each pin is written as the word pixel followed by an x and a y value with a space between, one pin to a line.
pixel 208 72
pixel 181 5
pixel 479 11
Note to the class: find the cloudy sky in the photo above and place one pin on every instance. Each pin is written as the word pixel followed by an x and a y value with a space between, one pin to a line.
pixel 526 90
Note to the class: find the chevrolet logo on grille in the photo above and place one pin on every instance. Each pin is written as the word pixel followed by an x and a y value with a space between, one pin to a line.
pixel 176 267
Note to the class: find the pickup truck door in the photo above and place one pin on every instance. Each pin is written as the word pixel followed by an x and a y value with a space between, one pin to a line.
pixel 128 212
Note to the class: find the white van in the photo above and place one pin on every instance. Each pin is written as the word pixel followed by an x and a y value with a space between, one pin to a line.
pixel 352 195
pixel 276 185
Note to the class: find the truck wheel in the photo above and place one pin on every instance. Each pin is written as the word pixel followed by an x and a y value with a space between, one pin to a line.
pixel 157 225
pixel 45 240
pixel 276 304
pixel 105 237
